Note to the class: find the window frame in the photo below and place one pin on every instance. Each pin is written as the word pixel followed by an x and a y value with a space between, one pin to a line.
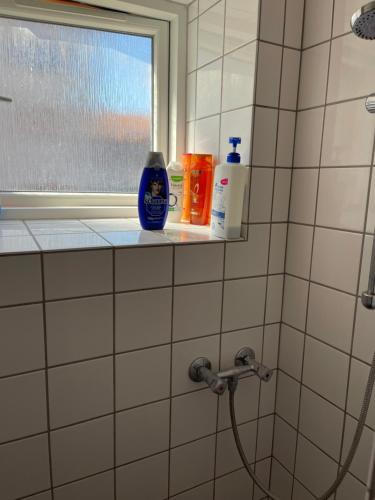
pixel 68 205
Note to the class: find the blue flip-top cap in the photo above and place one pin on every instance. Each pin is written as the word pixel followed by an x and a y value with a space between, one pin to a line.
pixel 234 157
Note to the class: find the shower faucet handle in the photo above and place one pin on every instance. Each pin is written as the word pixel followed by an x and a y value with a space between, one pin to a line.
pixel 200 371
pixel 246 357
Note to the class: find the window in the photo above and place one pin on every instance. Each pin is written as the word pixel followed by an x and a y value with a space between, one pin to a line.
pixel 89 99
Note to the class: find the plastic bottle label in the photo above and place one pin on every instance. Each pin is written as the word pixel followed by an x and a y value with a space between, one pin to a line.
pixel 155 199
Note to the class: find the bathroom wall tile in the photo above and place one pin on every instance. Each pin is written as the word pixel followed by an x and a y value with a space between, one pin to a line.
pixel 314 71
pixel 263 470
pixel 359 373
pixel 227 458
pixel 23 406
pixel 295 302
pixel 315 469
pixel 73 274
pixel 284 446
pixel 335 259
pixel 21 279
pixel 314 411
pixel 184 353
pixel 24 467
pixel 17 244
pixel 265 135
pixel 277 248
pixel 338 145
pixel 350 488
pixel 308 138
pixel 331 384
pixel 364 341
pixel 207 136
pixel 318 21
pixel 92 488
pixel 301 493
pixel 232 342
pixel 330 316
pixel 360 465
pixel 191 96
pixel 244 302
pixel 82 450
pixel 281 480
pixel 193 416
pixel 299 249
pixel 193 11
pixel 197 310
pixel 281 195
pixel 238 124
pixel 261 192
pixel 47 495
pixel 365 264
pixel 303 195
pixel 209 89
pixel 80 391
pixel 135 268
pixel 192 464
pixel 271 345
pixel 293 23
pixel 370 225
pixel 290 78
pixel 205 4
pixel 291 351
pixel 204 492
pixel 79 329
pixel 192 45
pixel 142 431
pixel 51 242
pixel 133 328
pixel 190 136
pixel 267 399
pixel 131 483
pixel 268 74
pixel 238 78
pixel 197 263
pixel 274 298
pixel 265 437
pixel 272 20
pixel 241 23
pixel 344 9
pixel 235 485
pixel 287 399
pixel 285 139
pixel 211 34
pixel 21 339
pixel 342 198
pixel 155 380
pixel 248 258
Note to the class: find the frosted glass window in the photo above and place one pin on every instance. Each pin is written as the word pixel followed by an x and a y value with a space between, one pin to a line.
pixel 81 115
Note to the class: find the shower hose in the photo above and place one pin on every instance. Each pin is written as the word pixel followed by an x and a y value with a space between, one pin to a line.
pixel 349 458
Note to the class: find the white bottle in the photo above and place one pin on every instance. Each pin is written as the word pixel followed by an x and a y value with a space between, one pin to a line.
pixel 176 187
pixel 228 195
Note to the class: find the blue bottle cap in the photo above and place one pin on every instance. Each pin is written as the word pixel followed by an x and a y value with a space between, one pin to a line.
pixel 234 157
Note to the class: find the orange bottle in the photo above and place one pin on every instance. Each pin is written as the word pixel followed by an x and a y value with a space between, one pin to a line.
pixel 186 163
pixel 201 177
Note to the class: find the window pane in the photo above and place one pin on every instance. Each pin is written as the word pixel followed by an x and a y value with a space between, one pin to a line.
pixel 81 116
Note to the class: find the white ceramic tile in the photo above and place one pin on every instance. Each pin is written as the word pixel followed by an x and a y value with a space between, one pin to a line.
pixel 290 78
pixel 295 302
pixel 339 148
pixel 284 447
pixel 248 258
pixel 21 339
pixel 335 261
pixel 272 20
pixel 79 329
pixel 303 195
pixel 342 198
pixel 244 302
pixel 277 248
pixel 364 339
pixel 227 458
pixel 370 226
pixel 331 384
pixel 236 124
pixel 80 391
pixel 359 373
pixel 136 269
pixel 291 351
pixel 274 298
pixel 314 70
pixel 190 136
pixel 74 274
pixel 314 411
pixel 265 437
pixel 281 481
pixel 362 458
pixel 232 342
pixel 365 265
pixel 294 23
pixel 211 34
pixel 344 9
pixel 21 279
pixel 194 234
pixel 23 403
pixel 268 74
pixel 299 250
pixel 134 238
pixel 301 493
pixel 265 135
pixel 330 316
pixel 207 137
pixel 204 492
pixel 142 432
pixel 92 488
pixel 184 354
pixel 238 78
pixel 133 326
pixel 261 191
pixel 205 4
pixel 46 227
pixel 263 471
pixel 197 263
pixel 13 228
pixel 193 10
pixel 287 399
pixel 318 21
pixel 70 241
pixel 47 495
pixel 281 195
pixel 193 416
pixel 191 96
pixel 155 380
pixel 241 23
pixel 110 225
pixel 17 244
pixel 285 139
pixel 351 488
pixel 209 89
pixel 192 46
pixel 82 450
pixel 268 396
pixel 24 467
pixel 234 485
pixel 308 138
pixel 192 464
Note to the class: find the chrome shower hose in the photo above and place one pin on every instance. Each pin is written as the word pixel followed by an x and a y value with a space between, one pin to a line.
pixel 349 458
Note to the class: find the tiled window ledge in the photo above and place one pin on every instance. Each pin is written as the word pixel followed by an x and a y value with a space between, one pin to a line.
pixel 17 236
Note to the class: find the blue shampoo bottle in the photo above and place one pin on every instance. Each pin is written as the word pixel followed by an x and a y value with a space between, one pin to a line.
pixel 153 197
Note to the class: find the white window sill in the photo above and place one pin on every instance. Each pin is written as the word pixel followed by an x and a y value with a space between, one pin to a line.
pixel 30 236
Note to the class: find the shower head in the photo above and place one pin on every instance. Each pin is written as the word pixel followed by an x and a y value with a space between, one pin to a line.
pixel 363 22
